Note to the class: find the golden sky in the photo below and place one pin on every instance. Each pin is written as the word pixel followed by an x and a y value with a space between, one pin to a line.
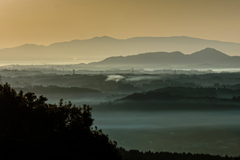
pixel 48 21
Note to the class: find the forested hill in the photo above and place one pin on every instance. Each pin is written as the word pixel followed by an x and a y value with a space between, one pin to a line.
pixel 176 98
pixel 184 92
pixel 137 155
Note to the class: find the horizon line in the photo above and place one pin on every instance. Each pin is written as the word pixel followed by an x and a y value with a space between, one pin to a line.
pixel 115 39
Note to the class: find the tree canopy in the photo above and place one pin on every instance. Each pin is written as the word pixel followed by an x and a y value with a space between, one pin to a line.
pixel 27 119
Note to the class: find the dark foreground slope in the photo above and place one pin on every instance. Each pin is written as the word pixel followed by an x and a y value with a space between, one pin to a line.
pixel 12 148
pixel 34 129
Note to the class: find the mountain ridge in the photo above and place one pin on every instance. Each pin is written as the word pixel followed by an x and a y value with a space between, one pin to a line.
pixel 98 48
pixel 103 37
pixel 205 58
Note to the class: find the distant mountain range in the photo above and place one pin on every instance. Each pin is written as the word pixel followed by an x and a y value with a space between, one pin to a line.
pixel 208 58
pixel 99 48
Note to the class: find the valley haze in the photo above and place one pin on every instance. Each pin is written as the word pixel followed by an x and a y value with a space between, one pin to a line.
pixel 120 79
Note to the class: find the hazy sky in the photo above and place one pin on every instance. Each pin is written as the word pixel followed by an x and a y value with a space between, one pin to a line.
pixel 48 21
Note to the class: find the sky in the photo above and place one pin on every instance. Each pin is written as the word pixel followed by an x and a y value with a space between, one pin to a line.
pixel 44 22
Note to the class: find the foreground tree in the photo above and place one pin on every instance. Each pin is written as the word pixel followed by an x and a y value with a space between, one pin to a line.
pixel 30 128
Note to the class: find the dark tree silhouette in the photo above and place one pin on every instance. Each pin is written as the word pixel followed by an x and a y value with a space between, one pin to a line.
pixel 39 128
pixel 148 155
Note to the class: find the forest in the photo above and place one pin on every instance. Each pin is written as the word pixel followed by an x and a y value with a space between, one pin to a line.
pixel 27 120
pixel 34 129
pixel 145 111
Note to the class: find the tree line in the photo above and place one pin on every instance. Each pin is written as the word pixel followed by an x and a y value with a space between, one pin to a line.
pixel 27 120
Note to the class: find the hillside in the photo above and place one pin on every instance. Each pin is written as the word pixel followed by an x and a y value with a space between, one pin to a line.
pixel 170 93
pixel 177 98
pixel 204 59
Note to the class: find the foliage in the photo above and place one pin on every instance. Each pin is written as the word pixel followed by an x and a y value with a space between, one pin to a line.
pixel 63 127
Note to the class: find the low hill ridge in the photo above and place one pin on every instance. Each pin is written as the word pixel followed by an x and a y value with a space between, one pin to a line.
pixel 207 58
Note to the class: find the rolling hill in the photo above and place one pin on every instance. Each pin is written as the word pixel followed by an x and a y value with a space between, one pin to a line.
pixel 204 59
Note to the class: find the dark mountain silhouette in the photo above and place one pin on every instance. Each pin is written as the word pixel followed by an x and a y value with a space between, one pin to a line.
pixel 206 58
pixel 98 48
